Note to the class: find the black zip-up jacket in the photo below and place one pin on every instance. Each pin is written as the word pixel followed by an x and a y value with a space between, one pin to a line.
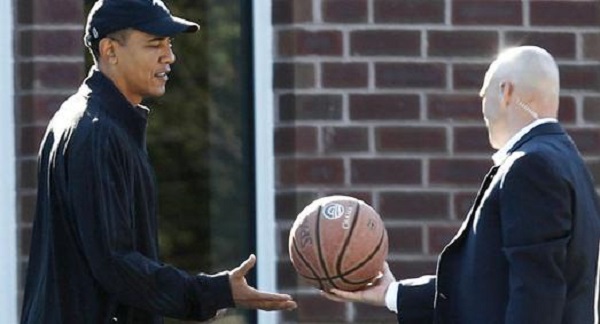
pixel 94 251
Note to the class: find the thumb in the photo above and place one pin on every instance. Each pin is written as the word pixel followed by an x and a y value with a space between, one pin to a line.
pixel 243 269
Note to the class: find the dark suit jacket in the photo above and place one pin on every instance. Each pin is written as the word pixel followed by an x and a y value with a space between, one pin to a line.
pixel 528 249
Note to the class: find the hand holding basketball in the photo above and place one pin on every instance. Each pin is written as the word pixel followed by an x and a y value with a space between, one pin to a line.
pixel 373 294
pixel 338 242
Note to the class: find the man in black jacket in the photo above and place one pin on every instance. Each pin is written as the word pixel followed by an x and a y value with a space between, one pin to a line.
pixel 528 249
pixel 94 251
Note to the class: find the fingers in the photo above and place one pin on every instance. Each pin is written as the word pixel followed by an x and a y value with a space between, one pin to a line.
pixel 243 269
pixel 346 295
pixel 268 301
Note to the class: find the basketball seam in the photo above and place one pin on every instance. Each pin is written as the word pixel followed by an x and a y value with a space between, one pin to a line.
pixel 340 257
pixel 307 265
pixel 341 276
pixel 365 261
pixel 320 252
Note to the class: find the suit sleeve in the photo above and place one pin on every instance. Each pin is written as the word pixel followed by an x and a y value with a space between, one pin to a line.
pixel 536 218
pixel 102 210
pixel 415 301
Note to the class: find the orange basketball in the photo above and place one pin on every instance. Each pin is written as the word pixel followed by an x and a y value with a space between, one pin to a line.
pixel 338 242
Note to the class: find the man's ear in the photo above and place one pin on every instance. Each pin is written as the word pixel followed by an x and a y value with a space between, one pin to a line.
pixel 506 90
pixel 106 48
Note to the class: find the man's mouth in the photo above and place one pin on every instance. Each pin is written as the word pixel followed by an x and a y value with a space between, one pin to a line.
pixel 162 75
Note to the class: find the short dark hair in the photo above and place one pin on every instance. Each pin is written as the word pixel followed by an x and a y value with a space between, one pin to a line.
pixel 120 36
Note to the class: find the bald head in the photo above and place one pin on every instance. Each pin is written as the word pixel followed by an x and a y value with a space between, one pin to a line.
pixel 533 73
pixel 520 86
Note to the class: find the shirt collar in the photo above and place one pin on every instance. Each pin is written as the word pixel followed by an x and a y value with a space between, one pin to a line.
pixel 131 118
pixel 502 153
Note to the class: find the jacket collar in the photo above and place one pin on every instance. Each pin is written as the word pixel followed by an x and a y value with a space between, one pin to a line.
pixel 131 118
pixel 538 127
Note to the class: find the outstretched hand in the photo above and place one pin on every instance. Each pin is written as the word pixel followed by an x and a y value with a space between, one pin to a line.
pixel 246 296
pixel 373 294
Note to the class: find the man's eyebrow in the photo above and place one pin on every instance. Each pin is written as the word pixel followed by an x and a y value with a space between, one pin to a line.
pixel 157 38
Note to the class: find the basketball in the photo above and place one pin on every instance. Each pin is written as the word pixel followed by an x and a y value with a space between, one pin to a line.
pixel 338 242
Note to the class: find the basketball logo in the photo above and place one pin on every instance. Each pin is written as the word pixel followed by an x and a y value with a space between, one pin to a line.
pixel 333 211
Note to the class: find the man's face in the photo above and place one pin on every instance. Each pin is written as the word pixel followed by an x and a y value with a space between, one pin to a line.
pixel 143 65
pixel 491 108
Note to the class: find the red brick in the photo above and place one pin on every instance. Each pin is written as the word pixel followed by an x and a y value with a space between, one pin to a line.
pixel 591 110
pixel 27 204
pixel 405 239
pixel 344 11
pixel 310 107
pixel 580 77
pixel 384 107
pixel 289 204
pixel 472 139
pixel 51 75
pixel 458 172
pixel 38 109
pixel 440 236
pixel 409 12
pixel 410 75
pixel 587 139
pixel 345 75
pixel 293 75
pixel 455 107
pixel 567 112
pixel 48 12
pixel 25 240
pixel 469 76
pixel 295 140
pixel 411 139
pixel 385 42
pixel 311 172
pixel 414 205
pixel 291 11
pixel 28 174
pixel 303 42
pixel 412 269
pixel 591 46
pixel 51 43
pixel 463 201
pixel 345 139
pixel 365 196
pixel 385 171
pixel 560 45
pixel 31 137
pixel 463 43
pixel 473 12
pixel 565 13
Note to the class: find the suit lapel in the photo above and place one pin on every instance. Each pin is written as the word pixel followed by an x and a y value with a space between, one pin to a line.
pixel 467 223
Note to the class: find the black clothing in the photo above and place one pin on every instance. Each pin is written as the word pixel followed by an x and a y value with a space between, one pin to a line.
pixel 527 252
pixel 94 251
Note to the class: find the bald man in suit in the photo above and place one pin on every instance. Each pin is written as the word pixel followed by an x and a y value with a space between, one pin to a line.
pixel 527 252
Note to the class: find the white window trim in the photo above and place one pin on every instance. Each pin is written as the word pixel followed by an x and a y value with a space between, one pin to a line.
pixel 8 216
pixel 265 172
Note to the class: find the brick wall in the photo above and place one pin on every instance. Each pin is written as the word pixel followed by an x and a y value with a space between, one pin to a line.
pixel 379 99
pixel 49 65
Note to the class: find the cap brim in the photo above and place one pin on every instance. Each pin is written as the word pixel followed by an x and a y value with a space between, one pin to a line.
pixel 168 26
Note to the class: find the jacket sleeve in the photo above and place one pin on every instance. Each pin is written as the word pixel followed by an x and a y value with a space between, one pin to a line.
pixel 415 300
pixel 102 209
pixel 536 219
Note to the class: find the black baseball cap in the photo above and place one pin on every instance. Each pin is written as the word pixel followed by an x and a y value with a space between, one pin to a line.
pixel 150 16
